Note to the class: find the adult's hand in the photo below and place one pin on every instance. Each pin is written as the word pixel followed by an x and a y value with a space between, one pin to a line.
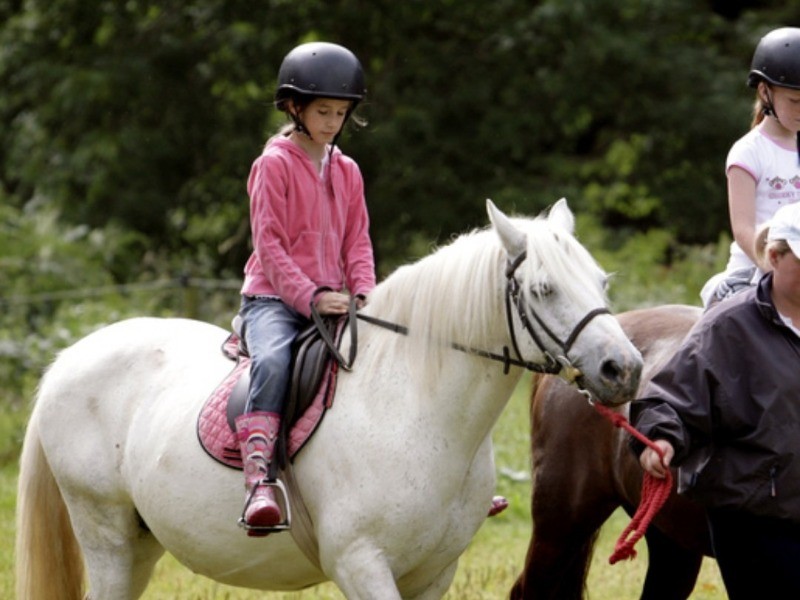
pixel 652 462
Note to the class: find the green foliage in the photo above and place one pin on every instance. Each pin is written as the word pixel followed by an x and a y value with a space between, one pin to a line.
pixel 39 255
pixel 148 115
pixel 129 129
pixel 650 267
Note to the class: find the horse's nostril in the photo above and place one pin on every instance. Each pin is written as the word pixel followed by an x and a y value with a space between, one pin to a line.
pixel 611 370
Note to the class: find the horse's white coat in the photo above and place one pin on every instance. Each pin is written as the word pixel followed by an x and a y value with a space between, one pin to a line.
pixel 397 479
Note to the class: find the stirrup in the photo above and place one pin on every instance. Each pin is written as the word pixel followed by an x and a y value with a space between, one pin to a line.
pixel 283 504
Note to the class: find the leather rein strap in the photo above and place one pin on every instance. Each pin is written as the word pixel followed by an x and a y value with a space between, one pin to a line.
pixel 513 297
pixel 325 334
pixel 504 358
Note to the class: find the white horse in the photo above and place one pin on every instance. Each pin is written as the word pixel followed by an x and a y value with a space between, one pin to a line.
pixel 398 477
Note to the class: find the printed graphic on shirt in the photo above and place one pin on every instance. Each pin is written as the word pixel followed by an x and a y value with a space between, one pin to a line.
pixel 785 191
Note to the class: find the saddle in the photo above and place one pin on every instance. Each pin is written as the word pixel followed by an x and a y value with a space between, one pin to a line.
pixel 315 364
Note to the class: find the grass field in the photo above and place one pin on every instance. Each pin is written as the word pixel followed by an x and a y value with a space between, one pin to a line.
pixel 486 571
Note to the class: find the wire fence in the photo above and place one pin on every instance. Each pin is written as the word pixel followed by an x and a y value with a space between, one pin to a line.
pixel 191 297
pixel 124 289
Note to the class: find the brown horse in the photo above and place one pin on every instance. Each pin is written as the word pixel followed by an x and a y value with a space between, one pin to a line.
pixel 583 471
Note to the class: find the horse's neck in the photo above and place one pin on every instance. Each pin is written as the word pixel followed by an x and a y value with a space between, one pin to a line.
pixel 471 393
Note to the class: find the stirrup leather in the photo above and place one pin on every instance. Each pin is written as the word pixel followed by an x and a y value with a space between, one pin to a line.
pixel 283 503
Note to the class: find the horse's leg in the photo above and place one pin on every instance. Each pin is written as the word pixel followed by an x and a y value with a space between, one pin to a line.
pixel 573 492
pixel 672 570
pixel 119 552
pixel 363 574
pixel 439 586
pixel 558 557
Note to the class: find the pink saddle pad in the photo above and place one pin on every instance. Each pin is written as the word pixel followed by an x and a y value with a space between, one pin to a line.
pixel 219 440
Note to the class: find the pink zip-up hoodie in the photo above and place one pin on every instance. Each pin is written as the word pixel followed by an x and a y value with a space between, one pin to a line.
pixel 308 232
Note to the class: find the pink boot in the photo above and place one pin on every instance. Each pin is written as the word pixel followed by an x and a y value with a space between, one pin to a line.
pixel 257 433
pixel 499 504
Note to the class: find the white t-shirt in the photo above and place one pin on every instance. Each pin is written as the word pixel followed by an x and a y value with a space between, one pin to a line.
pixel 776 171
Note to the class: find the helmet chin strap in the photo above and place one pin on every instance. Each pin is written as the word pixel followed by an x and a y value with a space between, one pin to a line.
pixel 769 111
pixel 769 107
pixel 299 126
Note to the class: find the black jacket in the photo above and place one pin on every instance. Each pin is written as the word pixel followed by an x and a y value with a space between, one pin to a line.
pixel 729 402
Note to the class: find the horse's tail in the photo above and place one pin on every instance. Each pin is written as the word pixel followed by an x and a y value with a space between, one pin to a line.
pixel 49 565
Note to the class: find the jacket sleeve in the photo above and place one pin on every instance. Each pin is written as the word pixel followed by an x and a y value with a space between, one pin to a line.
pixel 677 404
pixel 357 252
pixel 267 187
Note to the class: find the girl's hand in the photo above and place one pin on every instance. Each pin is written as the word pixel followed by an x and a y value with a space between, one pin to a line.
pixel 333 303
pixel 651 461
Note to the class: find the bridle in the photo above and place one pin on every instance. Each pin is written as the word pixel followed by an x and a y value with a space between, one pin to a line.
pixel 514 297
pixel 552 366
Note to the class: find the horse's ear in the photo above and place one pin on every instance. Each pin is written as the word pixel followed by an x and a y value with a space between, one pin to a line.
pixel 514 240
pixel 561 216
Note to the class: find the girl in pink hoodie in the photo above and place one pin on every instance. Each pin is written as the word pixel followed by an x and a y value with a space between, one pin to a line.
pixel 311 246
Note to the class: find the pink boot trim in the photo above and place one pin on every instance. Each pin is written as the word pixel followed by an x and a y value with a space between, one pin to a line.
pixel 257 433
pixel 262 510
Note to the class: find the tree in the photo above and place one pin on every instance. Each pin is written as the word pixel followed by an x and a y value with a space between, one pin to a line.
pixel 148 114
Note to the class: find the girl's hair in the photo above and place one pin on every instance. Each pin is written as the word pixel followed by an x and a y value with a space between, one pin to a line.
pixel 758 111
pixel 762 248
pixel 760 108
pixel 301 102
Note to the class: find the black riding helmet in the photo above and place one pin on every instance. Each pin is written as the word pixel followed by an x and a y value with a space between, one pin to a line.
pixel 776 61
pixel 320 70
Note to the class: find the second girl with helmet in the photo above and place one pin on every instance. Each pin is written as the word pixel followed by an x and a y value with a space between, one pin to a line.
pixel 763 167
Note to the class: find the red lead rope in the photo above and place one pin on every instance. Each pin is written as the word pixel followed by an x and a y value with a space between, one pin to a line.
pixel 655 492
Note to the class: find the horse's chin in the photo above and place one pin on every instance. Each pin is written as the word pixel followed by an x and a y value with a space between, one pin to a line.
pixel 611 397
pixel 615 401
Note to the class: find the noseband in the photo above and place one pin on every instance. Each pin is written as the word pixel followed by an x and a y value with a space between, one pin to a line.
pixel 515 298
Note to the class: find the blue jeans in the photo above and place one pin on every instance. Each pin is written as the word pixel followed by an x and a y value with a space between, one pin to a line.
pixel 270 327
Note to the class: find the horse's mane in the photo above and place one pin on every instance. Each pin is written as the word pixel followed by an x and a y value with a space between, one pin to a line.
pixel 456 294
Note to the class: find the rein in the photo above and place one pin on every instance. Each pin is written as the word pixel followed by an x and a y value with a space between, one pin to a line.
pixel 655 492
pixel 504 358
pixel 553 365
pixel 319 323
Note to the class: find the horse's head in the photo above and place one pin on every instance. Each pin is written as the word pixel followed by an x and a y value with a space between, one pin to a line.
pixel 557 309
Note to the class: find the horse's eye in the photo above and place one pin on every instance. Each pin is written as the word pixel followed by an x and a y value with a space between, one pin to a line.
pixel 541 289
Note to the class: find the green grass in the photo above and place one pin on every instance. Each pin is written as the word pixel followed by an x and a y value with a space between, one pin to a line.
pixel 487 570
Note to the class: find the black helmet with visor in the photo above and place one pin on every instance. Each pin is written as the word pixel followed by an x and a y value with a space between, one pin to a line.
pixel 320 70
pixel 777 59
